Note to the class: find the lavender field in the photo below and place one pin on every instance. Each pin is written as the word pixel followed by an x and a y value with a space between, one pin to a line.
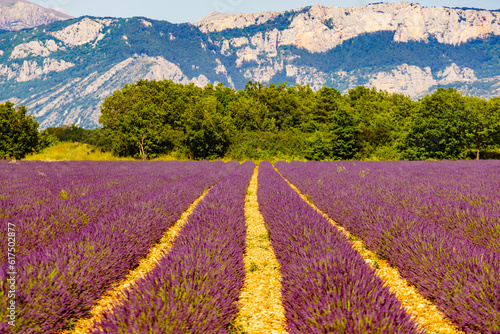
pixel 81 227
pixel 438 223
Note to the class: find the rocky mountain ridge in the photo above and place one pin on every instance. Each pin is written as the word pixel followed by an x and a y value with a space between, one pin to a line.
pixel 64 70
pixel 319 28
pixel 21 14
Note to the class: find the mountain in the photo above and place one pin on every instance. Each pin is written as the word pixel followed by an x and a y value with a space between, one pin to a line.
pixel 62 71
pixel 20 14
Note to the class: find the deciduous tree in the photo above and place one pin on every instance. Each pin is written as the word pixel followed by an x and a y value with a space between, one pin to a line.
pixel 18 132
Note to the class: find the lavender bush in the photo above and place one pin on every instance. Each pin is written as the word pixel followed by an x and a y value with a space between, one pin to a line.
pixel 195 287
pixel 327 286
pixel 62 280
pixel 95 193
pixel 427 220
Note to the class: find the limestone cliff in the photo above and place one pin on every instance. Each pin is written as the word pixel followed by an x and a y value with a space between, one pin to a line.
pixel 319 28
pixel 20 14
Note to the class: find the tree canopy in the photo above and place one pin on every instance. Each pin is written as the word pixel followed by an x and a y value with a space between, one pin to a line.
pixel 149 118
pixel 18 132
pixel 276 121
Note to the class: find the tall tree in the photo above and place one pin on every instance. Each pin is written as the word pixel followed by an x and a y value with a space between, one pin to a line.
pixel 345 129
pixel 143 119
pixel 248 114
pixel 483 123
pixel 439 127
pixel 208 131
pixel 327 101
pixel 18 132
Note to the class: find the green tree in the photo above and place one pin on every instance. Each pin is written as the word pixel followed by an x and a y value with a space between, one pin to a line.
pixel 248 114
pixel 327 101
pixel 208 131
pixel 382 119
pixel 46 139
pixel 288 106
pixel 319 147
pixel 142 129
pixel 439 127
pixel 18 132
pixel 144 119
pixel 483 123
pixel 345 129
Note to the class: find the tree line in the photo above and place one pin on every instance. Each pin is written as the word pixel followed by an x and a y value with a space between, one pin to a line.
pixel 151 118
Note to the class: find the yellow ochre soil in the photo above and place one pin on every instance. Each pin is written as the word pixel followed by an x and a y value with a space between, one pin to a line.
pixel 146 265
pixel 424 312
pixel 261 310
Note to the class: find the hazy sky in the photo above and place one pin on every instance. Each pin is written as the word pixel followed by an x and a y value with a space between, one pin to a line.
pixel 193 10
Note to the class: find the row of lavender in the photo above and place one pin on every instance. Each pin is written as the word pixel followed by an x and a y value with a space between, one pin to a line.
pixel 42 215
pixel 62 279
pixel 423 223
pixel 463 197
pixel 195 287
pixel 38 183
pixel 28 185
pixel 327 286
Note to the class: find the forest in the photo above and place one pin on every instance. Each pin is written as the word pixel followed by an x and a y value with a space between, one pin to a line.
pixel 148 119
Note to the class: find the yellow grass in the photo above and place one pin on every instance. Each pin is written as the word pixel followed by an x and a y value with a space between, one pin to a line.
pixel 261 310
pixel 73 152
pixel 423 311
pixel 115 295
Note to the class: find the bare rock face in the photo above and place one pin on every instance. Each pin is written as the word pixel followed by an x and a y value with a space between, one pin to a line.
pixel 34 48
pixel 216 21
pixel 416 82
pixel 320 29
pixel 82 32
pixel 20 14
pixel 32 69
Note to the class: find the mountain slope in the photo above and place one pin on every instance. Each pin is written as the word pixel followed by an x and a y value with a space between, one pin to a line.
pixel 318 29
pixel 401 47
pixel 63 71
pixel 20 14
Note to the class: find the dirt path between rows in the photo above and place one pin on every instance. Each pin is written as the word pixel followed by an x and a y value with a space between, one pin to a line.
pixel 261 309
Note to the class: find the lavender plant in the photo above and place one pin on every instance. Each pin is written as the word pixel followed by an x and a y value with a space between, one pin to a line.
pixel 195 287
pixel 77 206
pixel 434 222
pixel 62 280
pixel 327 286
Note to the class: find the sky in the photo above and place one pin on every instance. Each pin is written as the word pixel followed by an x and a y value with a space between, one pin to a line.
pixel 178 11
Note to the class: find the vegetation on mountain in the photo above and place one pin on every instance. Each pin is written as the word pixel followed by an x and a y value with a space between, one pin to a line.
pixel 481 55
